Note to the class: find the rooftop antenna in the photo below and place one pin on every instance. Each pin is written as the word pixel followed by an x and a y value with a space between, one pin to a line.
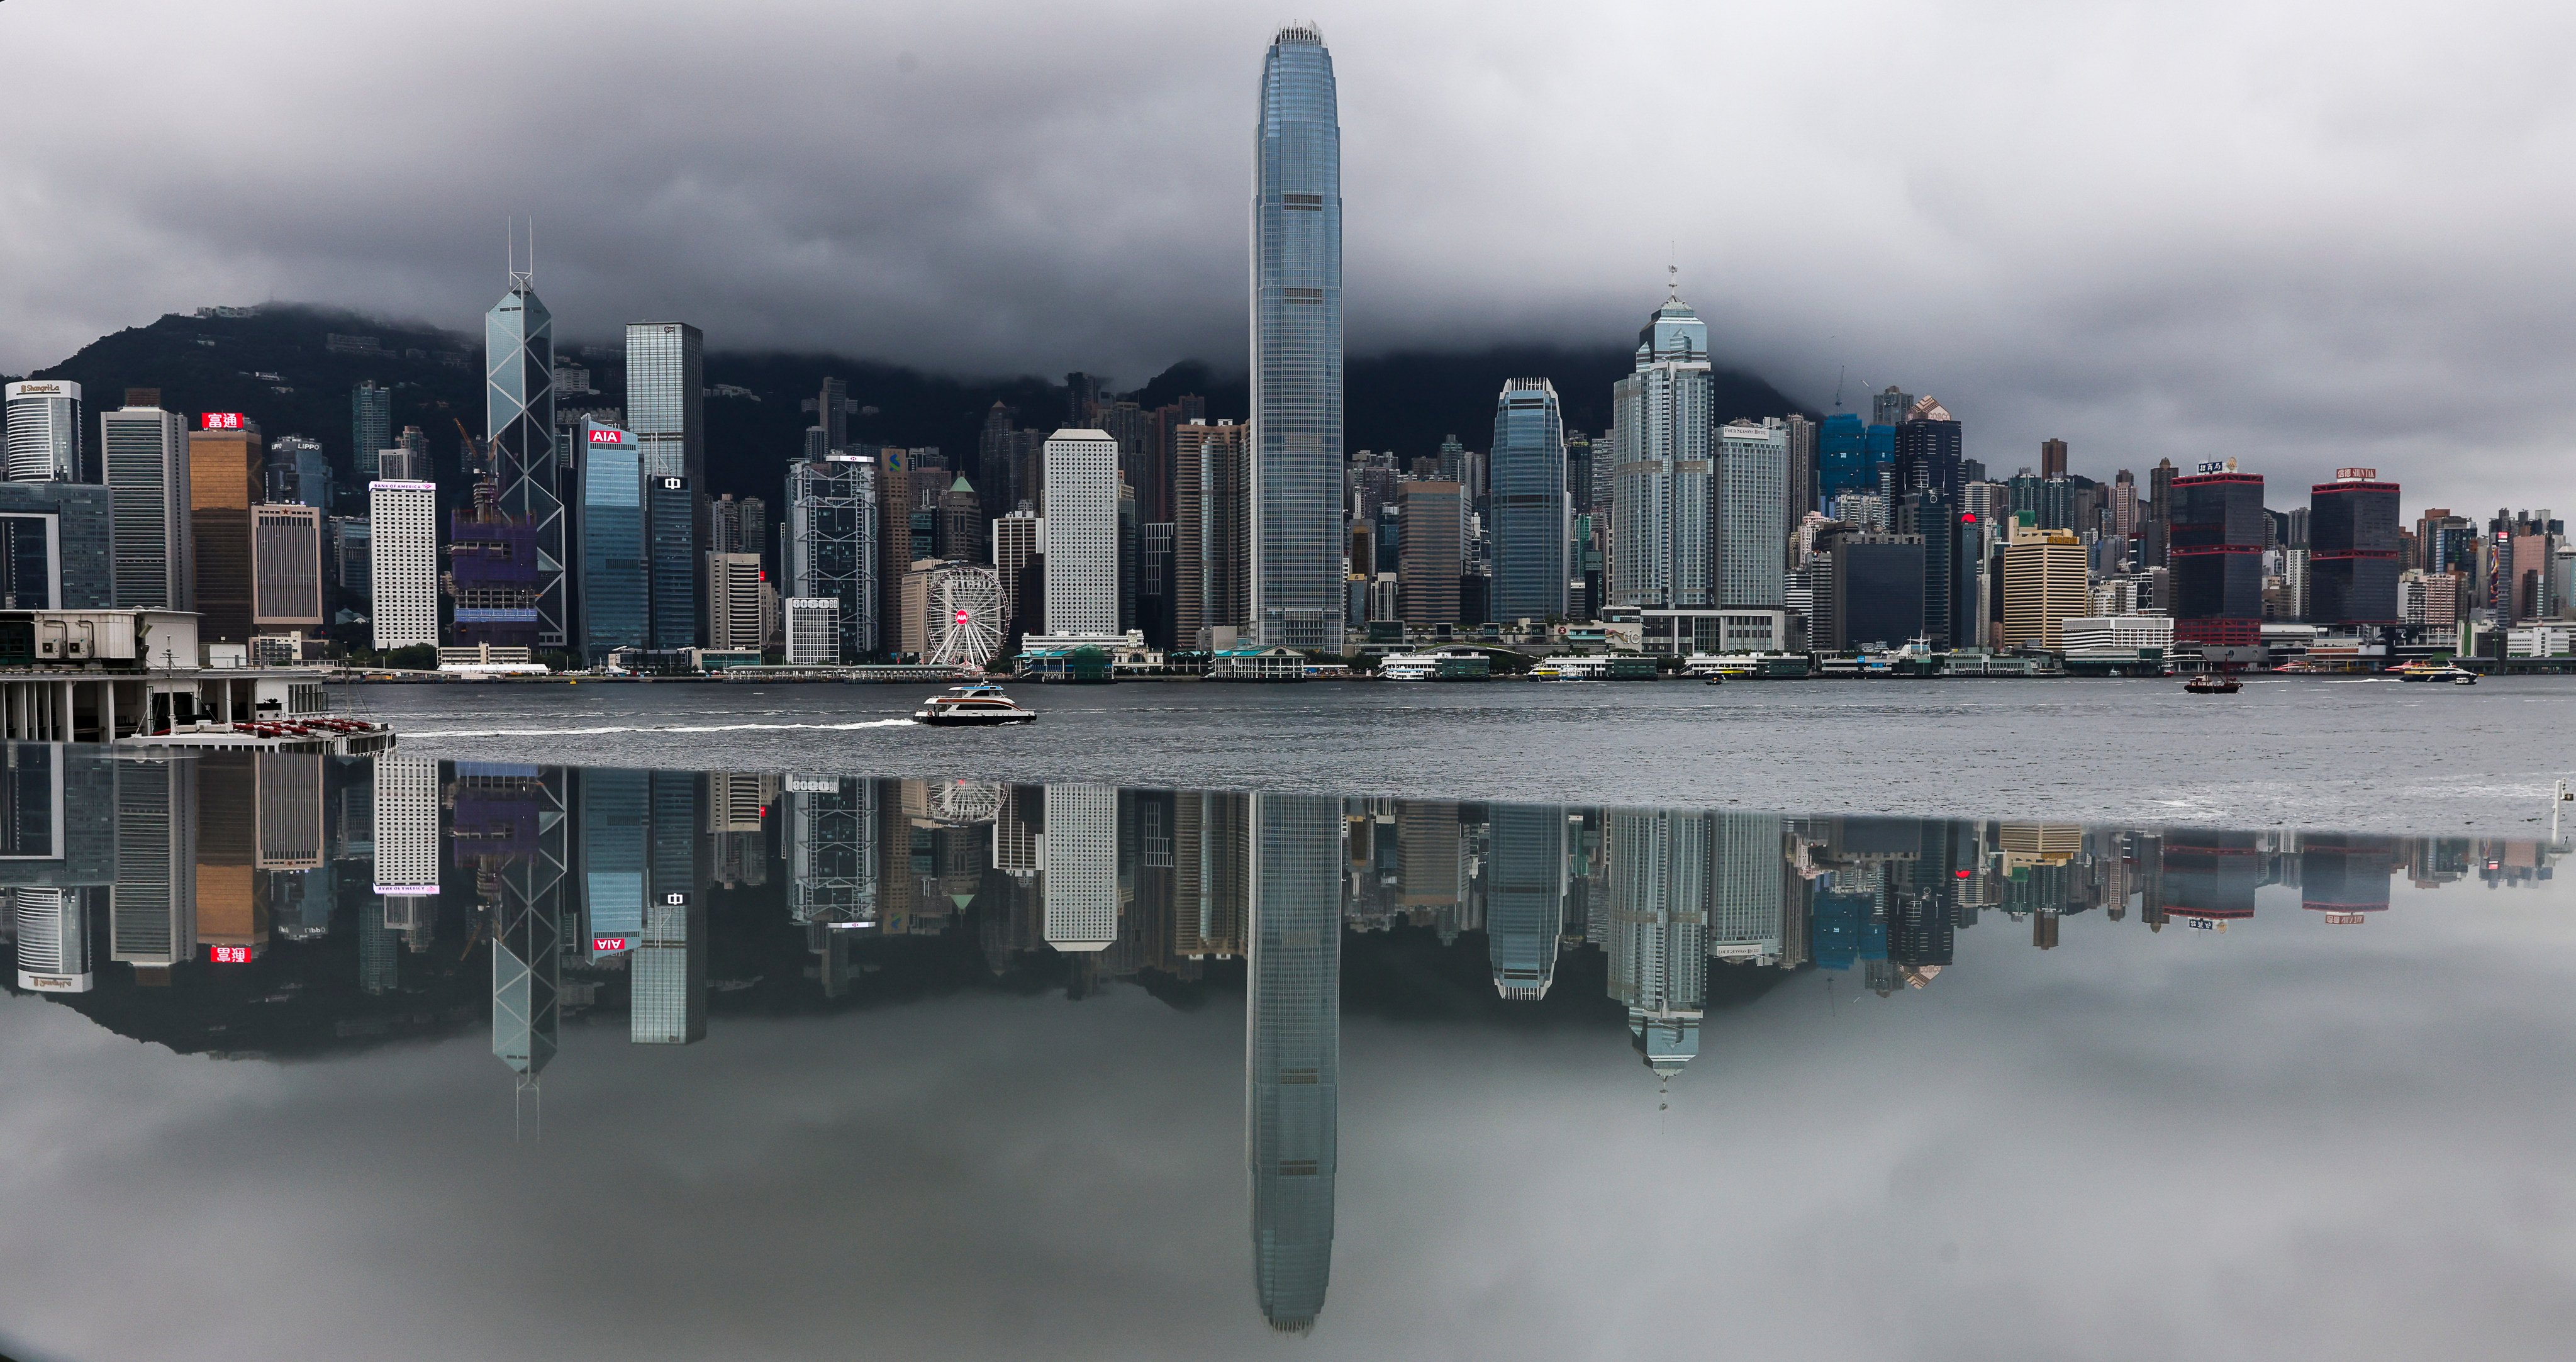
pixel 1838 386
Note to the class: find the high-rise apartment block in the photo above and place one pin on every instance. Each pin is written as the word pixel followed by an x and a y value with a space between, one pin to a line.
pixel 1296 456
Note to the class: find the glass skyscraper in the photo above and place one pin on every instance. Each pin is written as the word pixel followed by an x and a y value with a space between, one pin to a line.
pixel 1297 348
pixel 1529 502
pixel 519 417
pixel 1293 1054
pixel 613 585
pixel 1659 520
pixel 666 408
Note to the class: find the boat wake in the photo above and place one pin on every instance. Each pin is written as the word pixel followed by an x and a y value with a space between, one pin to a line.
pixel 415 736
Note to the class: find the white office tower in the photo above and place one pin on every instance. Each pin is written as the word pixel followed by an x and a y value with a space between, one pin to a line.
pixel 813 631
pixel 1660 554
pixel 737 614
pixel 402 562
pixel 1080 856
pixel 406 807
pixel 144 454
pixel 44 435
pixel 1081 533
pixel 1752 533
pixel 53 940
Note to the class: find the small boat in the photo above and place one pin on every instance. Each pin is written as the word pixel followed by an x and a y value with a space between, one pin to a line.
pixel 973 706
pixel 2213 683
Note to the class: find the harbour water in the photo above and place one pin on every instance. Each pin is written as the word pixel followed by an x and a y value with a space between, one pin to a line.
pixel 2360 753
pixel 467 1056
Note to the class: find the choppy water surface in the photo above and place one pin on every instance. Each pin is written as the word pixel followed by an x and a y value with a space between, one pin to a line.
pixel 2313 752
pixel 430 1057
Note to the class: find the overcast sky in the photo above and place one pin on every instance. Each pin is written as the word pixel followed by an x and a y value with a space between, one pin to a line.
pixel 2302 233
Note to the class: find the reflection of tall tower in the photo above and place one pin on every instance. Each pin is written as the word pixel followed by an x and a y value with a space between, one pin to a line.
pixel 527 933
pixel 1525 901
pixel 612 858
pixel 1292 1050
pixel 1658 926
pixel 1211 852
pixel 831 849
pixel 669 992
pixel 1745 922
pixel 406 808
pixel 152 910
pixel 1080 852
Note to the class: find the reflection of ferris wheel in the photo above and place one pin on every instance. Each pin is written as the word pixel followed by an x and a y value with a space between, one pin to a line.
pixel 967 801
pixel 965 616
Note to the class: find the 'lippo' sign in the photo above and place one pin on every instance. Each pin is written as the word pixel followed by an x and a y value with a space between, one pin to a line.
pixel 223 420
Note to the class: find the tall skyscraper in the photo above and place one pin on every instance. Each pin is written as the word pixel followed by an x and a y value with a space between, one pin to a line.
pixel 153 906
pixel 1842 458
pixel 2045 584
pixel 1752 475
pixel 519 420
pixel 609 509
pixel 672 566
pixel 144 454
pixel 1658 931
pixel 1660 554
pixel 1018 540
pixel 1296 463
pixel 1798 490
pixel 1525 900
pixel 2216 555
pixel 829 547
pixel 1211 537
pixel 1292 1052
pixel 666 408
pixel 1082 533
pixel 402 567
pixel 371 422
pixel 2052 458
pixel 1530 509
pixel 2352 549
pixel 1434 552
pixel 737 610
pixel 43 432
pixel 225 458
pixel 669 972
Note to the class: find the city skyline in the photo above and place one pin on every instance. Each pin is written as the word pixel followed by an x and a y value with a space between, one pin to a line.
pixel 2008 317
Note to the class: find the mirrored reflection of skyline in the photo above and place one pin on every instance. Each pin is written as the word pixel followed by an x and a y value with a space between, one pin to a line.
pixel 246 905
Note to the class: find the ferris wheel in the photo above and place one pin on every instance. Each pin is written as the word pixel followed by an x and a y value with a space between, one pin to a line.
pixel 965 616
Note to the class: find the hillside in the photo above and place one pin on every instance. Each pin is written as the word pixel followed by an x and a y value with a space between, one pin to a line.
pixel 274 366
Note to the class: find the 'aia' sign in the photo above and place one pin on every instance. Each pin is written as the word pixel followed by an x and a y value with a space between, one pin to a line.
pixel 601 945
pixel 608 437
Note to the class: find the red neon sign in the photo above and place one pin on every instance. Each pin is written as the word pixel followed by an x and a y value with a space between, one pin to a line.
pixel 223 420
pixel 231 955
pixel 608 437
pixel 607 943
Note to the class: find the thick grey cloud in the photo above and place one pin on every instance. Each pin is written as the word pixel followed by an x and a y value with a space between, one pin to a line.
pixel 2305 234
pixel 2289 1140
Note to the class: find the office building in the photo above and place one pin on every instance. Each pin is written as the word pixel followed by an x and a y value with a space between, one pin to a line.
pixel 406 460
pixel 738 526
pixel 829 548
pixel 2045 583
pixel 893 543
pixel 144 454
pixel 2052 460
pixel 519 420
pixel 737 601
pixel 1747 924
pixel 153 906
pixel 297 471
pixel 2215 551
pixel 1018 540
pixel 1798 488
pixel 1842 458
pixel 402 570
pixel 1525 895
pixel 1211 537
pixel 669 969
pixel 1292 1046
pixel 1877 589
pixel 2353 537
pixel 1296 456
pixel 2116 633
pixel 43 432
pixel 1753 459
pixel 1433 555
pixel 1658 931
pixel 1080 856
pixel 1928 450
pixel 53 933
pixel 1530 509
pixel 371 420
pixel 286 569
pixel 1660 522
pixel 225 459
pixel 672 569
pixel 2429 599
pixel 494 576
pixel 1082 534
pixel 813 629
pixel 613 589
pixel 57 546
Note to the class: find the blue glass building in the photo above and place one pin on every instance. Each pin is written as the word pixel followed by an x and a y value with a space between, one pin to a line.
pixel 1528 499
pixel 613 587
pixel 1293 1052
pixel 1296 539
pixel 1843 457
pixel 671 550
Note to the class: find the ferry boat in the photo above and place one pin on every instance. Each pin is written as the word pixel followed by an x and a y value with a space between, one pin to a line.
pixel 2437 671
pixel 1595 667
pixel 2213 683
pixel 972 707
pixel 1441 666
